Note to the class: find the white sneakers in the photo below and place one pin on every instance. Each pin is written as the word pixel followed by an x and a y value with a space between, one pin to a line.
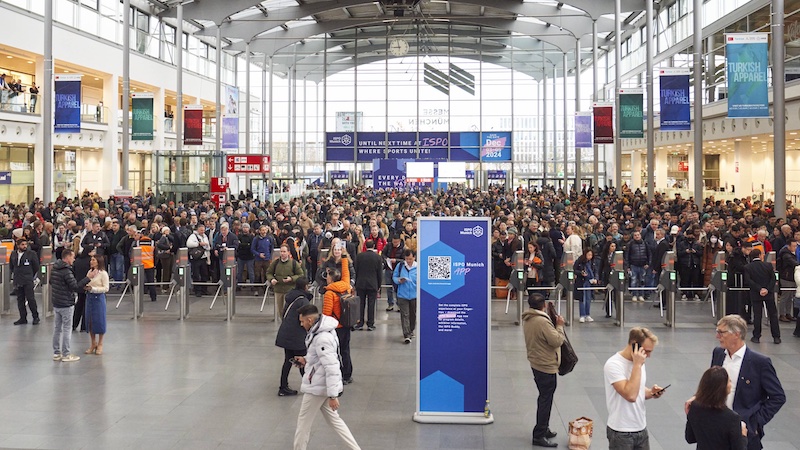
pixel 56 356
pixel 589 319
pixel 585 319
pixel 70 358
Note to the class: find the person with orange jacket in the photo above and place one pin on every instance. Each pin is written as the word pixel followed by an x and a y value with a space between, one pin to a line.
pixel 338 284
pixel 144 242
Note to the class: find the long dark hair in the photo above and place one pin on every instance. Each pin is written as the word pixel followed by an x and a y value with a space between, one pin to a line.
pixel 101 262
pixel 713 388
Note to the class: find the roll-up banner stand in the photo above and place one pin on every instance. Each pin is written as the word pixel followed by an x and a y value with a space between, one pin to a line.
pixel 453 309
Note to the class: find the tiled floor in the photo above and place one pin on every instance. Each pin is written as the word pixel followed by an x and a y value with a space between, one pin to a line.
pixel 206 383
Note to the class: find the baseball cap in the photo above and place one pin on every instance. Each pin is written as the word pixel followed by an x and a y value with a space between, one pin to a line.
pixel 674 229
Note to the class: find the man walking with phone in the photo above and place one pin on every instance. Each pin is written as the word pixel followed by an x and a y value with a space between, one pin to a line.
pixel 626 390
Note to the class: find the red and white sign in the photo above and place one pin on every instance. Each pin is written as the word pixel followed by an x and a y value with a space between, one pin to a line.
pixel 683 166
pixel 219 199
pixel 219 185
pixel 247 164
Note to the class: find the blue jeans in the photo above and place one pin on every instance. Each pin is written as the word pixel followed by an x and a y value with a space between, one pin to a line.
pixel 585 304
pixel 250 265
pixel 62 332
pixel 387 278
pixel 637 280
pixel 117 267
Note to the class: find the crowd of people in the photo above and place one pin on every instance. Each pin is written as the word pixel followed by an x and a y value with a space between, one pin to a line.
pixel 357 240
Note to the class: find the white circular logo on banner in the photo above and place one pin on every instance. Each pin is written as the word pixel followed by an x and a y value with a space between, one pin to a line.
pixel 346 139
pixel 477 231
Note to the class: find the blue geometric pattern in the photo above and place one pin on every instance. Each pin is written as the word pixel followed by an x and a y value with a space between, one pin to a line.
pixel 440 393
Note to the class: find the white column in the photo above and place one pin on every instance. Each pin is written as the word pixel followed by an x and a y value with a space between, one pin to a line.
pixel 661 169
pixel 636 170
pixel 38 146
pixel 159 100
pixel 110 173
pixel 692 174
pixel 743 177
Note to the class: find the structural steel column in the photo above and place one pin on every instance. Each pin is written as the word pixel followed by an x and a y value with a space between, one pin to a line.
pixel 247 101
pixel 47 105
pixel 617 86
pixel 564 102
pixel 544 125
pixel 578 150
pixel 595 147
pixel 271 106
pixel 778 107
pixel 651 154
pixel 697 168
pixel 264 126
pixel 126 90
pixel 178 124
pixel 218 92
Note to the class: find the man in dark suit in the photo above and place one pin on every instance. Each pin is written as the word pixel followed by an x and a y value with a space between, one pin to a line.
pixel 25 267
pixel 657 258
pixel 756 392
pixel 369 274
pixel 760 277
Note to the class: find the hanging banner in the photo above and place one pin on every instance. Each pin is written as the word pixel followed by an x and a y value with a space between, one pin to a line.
pixel 496 146
pixel 453 309
pixel 583 130
pixel 675 105
pixel 67 103
pixel 142 117
pixel 746 63
pixel 193 125
pixel 389 173
pixel 631 111
pixel 603 123
pixel 230 118
pixel 429 145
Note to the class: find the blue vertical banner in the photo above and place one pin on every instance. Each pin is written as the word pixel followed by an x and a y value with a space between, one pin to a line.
pixel 67 103
pixel 230 120
pixel 746 63
pixel 389 173
pixel 674 96
pixel 453 309
pixel 583 130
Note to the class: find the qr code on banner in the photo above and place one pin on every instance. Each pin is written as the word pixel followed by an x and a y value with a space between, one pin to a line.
pixel 439 267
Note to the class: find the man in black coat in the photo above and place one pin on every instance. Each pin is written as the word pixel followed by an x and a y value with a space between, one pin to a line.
pixel 739 301
pixel 25 267
pixel 662 247
pixel 291 335
pixel 760 277
pixel 368 275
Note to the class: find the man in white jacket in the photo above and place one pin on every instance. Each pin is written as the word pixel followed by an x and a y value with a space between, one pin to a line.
pixel 322 382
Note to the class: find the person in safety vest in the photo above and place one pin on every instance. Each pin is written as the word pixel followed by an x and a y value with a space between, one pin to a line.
pixel 144 242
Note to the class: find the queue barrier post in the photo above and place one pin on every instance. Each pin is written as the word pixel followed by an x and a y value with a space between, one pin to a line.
pixel 617 288
pixel 567 281
pixel 45 264
pixel 5 278
pixel 229 280
pixel 137 282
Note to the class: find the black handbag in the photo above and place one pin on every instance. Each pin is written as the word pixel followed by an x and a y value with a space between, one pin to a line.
pixel 568 357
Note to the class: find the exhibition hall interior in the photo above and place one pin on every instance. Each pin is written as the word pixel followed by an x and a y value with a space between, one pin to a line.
pixel 461 130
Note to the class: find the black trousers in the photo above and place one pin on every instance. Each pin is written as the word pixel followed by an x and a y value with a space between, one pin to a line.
pixel 691 277
pixel 368 300
pixel 758 310
pixel 199 274
pixel 546 384
pixel 78 313
pixel 25 292
pixel 344 349
pixel 150 277
pixel 287 365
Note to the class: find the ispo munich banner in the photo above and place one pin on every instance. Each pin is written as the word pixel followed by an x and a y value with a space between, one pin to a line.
pixel 230 120
pixel 747 74
pixel 675 108
pixel 603 123
pixel 454 320
pixel 583 129
pixel 67 103
pixel 193 125
pixel 142 117
pixel 433 146
pixel 631 113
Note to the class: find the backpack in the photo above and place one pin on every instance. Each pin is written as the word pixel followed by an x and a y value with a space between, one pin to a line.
pixel 350 310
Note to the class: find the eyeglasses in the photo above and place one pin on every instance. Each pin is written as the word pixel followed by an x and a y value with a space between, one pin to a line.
pixel 719 332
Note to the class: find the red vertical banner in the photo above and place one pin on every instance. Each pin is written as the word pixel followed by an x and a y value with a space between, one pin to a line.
pixel 603 123
pixel 193 125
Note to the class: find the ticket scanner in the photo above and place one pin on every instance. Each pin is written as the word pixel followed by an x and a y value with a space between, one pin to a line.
pixel 136 279
pixel 229 280
pixel 616 288
pixel 5 277
pixel 567 281
pixel 181 278
pixel 669 280
pixel 46 266
pixel 719 283
pixel 518 281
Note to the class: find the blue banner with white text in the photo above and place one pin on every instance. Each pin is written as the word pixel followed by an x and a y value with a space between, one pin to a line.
pixel 454 317
pixel 583 130
pixel 746 62
pixel 675 105
pixel 429 145
pixel 67 112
